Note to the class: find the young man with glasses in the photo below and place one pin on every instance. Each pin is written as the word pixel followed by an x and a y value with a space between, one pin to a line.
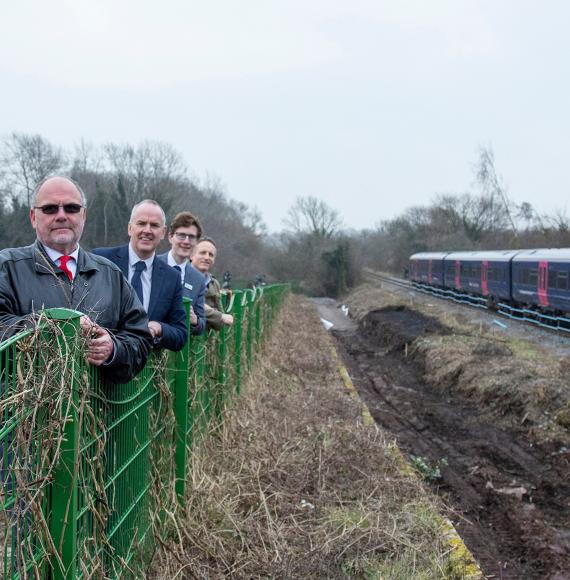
pixel 56 272
pixel 185 230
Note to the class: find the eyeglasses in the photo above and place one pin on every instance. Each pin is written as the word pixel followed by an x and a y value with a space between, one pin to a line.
pixel 190 237
pixel 53 208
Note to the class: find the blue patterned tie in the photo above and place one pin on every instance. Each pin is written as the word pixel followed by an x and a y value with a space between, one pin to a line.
pixel 136 282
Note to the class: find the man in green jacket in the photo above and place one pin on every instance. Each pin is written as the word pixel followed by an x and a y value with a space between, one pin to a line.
pixel 203 259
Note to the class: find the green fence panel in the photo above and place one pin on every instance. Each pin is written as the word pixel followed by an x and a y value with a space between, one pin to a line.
pixel 249 298
pixel 180 364
pixel 237 308
pixel 198 396
pixel 24 493
pixel 88 468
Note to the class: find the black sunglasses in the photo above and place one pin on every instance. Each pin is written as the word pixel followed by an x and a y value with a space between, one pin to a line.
pixel 53 208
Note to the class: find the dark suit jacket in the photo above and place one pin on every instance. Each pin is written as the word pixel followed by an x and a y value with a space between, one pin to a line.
pixel 193 287
pixel 165 305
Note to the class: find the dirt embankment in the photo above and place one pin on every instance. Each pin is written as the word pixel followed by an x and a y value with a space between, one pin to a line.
pixel 482 414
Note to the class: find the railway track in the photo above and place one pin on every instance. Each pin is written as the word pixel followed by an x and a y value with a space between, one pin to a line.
pixel 559 324
pixel 376 276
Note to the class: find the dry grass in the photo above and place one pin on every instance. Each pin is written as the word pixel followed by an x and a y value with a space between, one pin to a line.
pixel 517 381
pixel 294 485
pixel 39 401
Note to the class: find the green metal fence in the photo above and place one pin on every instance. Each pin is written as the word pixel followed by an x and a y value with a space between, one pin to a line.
pixel 88 470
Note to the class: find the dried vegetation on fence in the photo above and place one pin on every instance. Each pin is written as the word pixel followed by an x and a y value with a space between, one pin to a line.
pixel 37 402
pixel 295 485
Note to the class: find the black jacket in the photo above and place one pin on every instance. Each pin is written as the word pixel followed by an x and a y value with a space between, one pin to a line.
pixel 30 282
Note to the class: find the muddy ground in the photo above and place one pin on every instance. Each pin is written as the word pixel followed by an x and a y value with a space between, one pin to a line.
pixel 507 485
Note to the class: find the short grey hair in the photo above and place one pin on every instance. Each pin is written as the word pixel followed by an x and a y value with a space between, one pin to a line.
pixel 48 177
pixel 151 202
pixel 207 239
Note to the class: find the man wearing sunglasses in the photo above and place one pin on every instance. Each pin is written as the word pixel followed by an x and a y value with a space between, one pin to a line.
pixel 185 230
pixel 56 272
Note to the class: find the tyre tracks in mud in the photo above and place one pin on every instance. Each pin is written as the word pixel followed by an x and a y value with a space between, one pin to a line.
pixel 508 497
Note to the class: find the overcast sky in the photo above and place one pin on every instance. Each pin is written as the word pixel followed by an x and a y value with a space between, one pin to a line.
pixel 373 106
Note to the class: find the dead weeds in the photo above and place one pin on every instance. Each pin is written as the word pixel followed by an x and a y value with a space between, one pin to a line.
pixel 295 485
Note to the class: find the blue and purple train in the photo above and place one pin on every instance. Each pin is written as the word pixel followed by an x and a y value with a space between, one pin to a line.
pixel 535 279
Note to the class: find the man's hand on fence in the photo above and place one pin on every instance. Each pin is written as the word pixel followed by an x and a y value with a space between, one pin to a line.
pixel 193 317
pixel 155 328
pixel 100 345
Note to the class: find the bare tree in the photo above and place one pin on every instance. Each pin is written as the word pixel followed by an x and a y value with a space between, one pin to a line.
pixel 26 160
pixel 559 221
pixel 86 158
pixel 494 199
pixel 153 170
pixel 310 215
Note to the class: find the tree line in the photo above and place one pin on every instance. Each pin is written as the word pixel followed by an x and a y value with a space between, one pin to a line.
pixel 116 176
pixel 311 252
pixel 314 250
pixel 483 219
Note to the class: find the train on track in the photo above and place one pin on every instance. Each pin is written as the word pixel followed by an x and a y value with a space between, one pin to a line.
pixel 533 280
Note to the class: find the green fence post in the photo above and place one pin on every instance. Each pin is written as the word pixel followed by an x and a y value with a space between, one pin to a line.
pixel 198 400
pixel 219 391
pixel 180 362
pixel 258 317
pixel 63 520
pixel 250 301
pixel 237 307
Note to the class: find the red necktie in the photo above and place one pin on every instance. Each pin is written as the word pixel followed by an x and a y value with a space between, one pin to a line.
pixel 63 266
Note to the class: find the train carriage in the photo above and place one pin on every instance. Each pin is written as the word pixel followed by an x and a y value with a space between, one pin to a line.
pixel 541 278
pixel 427 268
pixel 483 273
pixel 533 284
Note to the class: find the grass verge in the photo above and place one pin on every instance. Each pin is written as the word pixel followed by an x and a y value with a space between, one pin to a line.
pixel 295 484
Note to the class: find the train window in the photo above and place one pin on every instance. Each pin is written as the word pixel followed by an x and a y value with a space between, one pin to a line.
pixel 533 277
pixel 477 272
pixel 562 281
pixel 551 279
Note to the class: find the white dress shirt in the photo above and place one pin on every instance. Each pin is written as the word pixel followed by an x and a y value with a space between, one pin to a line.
pixel 55 257
pixel 172 262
